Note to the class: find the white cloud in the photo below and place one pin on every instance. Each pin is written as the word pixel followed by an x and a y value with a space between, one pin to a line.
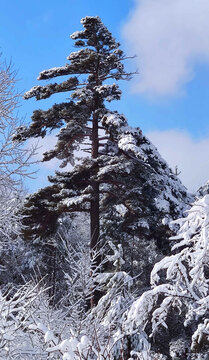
pixel 170 37
pixel 191 157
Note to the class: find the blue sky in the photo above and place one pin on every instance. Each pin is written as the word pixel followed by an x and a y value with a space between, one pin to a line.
pixel 168 99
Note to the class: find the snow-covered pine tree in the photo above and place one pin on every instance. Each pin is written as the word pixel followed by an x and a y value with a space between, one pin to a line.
pixel 124 181
pixel 203 190
pixel 80 119
pixel 150 196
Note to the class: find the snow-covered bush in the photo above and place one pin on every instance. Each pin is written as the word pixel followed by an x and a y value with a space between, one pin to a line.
pixel 177 305
pixel 17 309
pixel 75 331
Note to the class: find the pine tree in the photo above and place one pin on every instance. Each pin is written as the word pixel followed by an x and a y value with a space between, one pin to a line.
pixel 82 117
pixel 203 190
pixel 123 181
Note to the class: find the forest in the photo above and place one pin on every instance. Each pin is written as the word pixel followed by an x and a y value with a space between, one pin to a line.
pixel 110 260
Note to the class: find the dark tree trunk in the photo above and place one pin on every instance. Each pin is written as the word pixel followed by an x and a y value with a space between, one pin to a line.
pixel 94 211
pixel 94 217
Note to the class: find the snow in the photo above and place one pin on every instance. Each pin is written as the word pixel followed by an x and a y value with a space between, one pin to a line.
pixel 83 344
pixel 75 35
pixel 114 119
pixel 69 356
pixel 121 209
pixel 162 204
pixel 68 345
pixel 117 257
pixel 49 336
pixel 202 330
pixel 76 200
pixel 55 71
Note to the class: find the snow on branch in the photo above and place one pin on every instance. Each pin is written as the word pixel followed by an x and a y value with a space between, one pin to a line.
pixel 185 281
pixel 55 71
pixel 43 92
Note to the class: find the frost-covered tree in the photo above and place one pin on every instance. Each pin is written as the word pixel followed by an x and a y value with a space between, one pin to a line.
pixel 80 119
pixel 149 197
pixel 173 316
pixel 19 307
pixel 77 333
pixel 123 184
pixel 203 190
pixel 14 158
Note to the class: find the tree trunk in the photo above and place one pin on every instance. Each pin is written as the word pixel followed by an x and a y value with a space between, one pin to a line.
pixel 94 211
pixel 95 189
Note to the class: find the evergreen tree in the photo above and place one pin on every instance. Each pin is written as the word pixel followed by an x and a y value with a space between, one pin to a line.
pixel 79 119
pixel 203 190
pixel 124 181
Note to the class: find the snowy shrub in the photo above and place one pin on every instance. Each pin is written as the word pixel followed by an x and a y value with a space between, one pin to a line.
pixel 17 308
pixel 76 331
pixel 180 285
